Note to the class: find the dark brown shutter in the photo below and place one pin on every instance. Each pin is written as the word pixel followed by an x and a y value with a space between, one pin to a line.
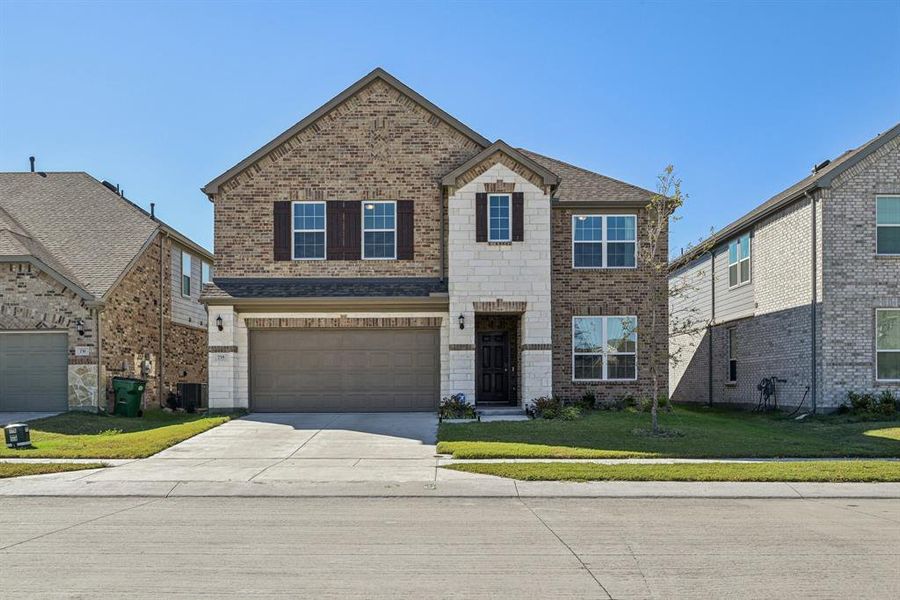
pixel 518 217
pixel 281 230
pixel 334 218
pixel 352 230
pixel 481 218
pixel 405 230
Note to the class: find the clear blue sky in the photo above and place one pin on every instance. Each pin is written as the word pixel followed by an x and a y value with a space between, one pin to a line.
pixel 162 97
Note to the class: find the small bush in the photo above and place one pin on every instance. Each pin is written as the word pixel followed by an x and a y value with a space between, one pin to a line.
pixel 870 406
pixel 611 404
pixel 646 404
pixel 570 413
pixel 546 407
pixel 886 404
pixel 587 402
pixel 629 401
pixel 456 407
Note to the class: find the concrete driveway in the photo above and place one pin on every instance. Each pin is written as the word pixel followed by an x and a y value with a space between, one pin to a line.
pixel 357 447
pixel 21 417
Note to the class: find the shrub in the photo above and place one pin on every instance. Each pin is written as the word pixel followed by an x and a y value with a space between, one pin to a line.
pixel 456 407
pixel 647 403
pixel 587 402
pixel 570 413
pixel 611 404
pixel 546 407
pixel 869 405
pixel 886 404
pixel 629 401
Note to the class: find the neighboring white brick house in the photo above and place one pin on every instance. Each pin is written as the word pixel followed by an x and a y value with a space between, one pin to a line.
pixel 765 325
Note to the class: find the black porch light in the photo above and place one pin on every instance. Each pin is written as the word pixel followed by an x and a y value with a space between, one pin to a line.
pixel 79 327
pixel 462 321
pixel 219 322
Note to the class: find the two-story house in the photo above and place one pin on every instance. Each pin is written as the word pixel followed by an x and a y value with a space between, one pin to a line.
pixel 804 290
pixel 93 287
pixel 380 254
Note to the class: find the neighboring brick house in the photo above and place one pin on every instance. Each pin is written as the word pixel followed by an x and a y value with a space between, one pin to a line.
pixel 379 254
pixel 84 295
pixel 805 288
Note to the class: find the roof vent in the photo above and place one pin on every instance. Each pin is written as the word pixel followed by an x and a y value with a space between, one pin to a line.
pixel 31 160
pixel 821 166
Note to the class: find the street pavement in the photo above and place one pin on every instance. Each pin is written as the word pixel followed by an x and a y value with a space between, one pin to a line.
pixel 448 547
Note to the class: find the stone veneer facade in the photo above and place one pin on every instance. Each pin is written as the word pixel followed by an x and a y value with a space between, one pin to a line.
pixel 775 339
pixel 129 328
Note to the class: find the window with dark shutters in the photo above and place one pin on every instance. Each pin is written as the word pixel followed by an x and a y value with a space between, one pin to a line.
pixel 405 230
pixel 518 217
pixel 481 217
pixel 281 230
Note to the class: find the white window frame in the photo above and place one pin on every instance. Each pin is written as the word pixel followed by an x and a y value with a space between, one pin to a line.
pixel 886 351
pixel 323 231
pixel 729 340
pixel 186 255
pixel 877 226
pixel 363 230
pixel 205 272
pixel 604 240
pixel 604 348
pixel 737 241
pixel 508 237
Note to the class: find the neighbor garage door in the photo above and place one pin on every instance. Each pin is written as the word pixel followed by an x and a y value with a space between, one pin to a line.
pixel 33 371
pixel 344 370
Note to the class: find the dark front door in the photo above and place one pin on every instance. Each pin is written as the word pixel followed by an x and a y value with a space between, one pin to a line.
pixel 493 367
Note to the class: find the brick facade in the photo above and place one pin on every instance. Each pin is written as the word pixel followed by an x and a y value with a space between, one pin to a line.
pixel 602 292
pixel 376 145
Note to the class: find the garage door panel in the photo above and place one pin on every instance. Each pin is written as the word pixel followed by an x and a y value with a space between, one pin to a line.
pixel 330 370
pixel 33 371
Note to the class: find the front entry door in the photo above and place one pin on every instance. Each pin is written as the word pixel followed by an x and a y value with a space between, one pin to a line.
pixel 492 364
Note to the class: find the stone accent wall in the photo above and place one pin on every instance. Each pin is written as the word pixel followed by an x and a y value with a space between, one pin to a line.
pixel 856 280
pixel 378 144
pixel 31 299
pixel 602 292
pixel 511 277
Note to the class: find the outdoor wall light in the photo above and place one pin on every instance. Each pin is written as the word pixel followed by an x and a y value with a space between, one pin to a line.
pixel 219 322
pixel 370 207
pixel 462 321
pixel 79 327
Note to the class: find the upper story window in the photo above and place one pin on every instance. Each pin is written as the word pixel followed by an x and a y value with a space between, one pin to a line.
pixel 739 261
pixel 604 241
pixel 185 274
pixel 499 218
pixel 205 272
pixel 309 230
pixel 887 344
pixel 604 348
pixel 379 230
pixel 887 219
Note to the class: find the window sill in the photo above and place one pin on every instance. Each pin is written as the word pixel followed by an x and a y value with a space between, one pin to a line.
pixel 731 384
pixel 500 243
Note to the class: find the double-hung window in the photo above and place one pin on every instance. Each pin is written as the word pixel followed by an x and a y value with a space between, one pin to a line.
pixel 205 272
pixel 604 241
pixel 309 230
pixel 379 230
pixel 887 344
pixel 499 218
pixel 185 274
pixel 739 261
pixel 604 348
pixel 887 219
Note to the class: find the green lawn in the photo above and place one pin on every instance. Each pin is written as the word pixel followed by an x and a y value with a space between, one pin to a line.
pixel 20 469
pixel 85 435
pixel 816 471
pixel 703 433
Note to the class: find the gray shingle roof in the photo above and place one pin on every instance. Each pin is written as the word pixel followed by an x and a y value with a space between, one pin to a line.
pixel 580 185
pixel 331 287
pixel 74 224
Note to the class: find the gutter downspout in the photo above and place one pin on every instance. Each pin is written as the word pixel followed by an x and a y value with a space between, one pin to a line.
pixel 162 330
pixel 712 319
pixel 813 301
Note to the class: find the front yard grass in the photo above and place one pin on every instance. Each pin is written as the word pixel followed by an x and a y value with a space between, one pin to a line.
pixel 813 471
pixel 702 433
pixel 86 435
pixel 20 469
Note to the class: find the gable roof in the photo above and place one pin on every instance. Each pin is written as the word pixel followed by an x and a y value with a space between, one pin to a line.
pixel 581 185
pixel 76 227
pixel 820 178
pixel 548 176
pixel 212 187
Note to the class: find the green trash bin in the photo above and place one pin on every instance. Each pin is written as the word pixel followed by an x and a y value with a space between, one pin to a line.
pixel 129 393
